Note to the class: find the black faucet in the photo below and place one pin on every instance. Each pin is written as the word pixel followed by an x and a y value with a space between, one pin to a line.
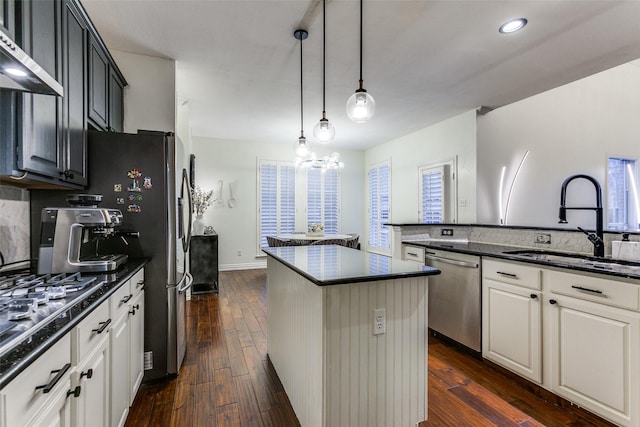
pixel 597 238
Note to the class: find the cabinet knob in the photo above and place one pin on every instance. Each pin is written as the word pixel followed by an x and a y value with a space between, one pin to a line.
pixel 552 301
pixel 534 296
pixel 133 312
pixel 87 374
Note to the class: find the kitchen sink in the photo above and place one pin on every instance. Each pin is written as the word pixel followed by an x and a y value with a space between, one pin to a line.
pixel 578 261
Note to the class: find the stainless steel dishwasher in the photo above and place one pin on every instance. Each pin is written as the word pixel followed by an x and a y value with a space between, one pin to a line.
pixel 455 298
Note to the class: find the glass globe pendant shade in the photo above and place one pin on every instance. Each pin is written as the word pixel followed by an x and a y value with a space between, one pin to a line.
pixel 324 131
pixel 361 106
pixel 301 147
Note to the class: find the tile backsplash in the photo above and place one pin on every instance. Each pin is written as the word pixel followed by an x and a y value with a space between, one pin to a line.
pixel 561 240
pixel 14 224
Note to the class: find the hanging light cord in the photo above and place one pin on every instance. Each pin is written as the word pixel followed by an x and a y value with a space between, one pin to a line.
pixel 324 55
pixel 301 91
pixel 361 1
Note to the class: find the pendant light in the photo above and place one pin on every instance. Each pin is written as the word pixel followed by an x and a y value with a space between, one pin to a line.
pixel 324 131
pixel 361 105
pixel 302 148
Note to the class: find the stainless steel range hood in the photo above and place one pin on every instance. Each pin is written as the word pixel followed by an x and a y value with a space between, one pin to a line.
pixel 19 72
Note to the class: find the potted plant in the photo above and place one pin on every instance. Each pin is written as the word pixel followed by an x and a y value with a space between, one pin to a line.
pixel 201 200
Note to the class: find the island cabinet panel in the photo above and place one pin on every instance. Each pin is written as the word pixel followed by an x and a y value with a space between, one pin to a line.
pixel 350 377
pixel 376 380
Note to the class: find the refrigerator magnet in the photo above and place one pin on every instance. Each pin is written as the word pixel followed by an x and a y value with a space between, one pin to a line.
pixel 134 208
pixel 135 197
pixel 147 183
pixel 117 188
pixel 119 201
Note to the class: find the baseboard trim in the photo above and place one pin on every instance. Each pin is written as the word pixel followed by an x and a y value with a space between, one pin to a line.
pixel 244 266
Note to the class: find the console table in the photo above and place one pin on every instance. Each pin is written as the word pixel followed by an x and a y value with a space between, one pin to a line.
pixel 203 259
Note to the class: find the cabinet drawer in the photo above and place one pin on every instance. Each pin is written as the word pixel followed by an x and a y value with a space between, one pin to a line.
pixel 120 299
pixel 90 332
pixel 413 253
pixel 512 273
pixel 590 288
pixel 22 400
pixel 137 282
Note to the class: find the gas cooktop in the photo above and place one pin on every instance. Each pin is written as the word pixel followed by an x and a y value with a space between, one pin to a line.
pixel 29 302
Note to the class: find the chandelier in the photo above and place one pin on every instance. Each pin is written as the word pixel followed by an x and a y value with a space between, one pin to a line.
pixel 315 162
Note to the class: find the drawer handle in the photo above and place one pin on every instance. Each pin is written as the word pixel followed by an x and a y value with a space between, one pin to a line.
pixel 412 254
pixel 552 301
pixel 126 299
pixel 513 276
pixel 580 288
pixel 533 296
pixel 75 392
pixel 51 384
pixel 140 283
pixel 103 326
pixel 88 374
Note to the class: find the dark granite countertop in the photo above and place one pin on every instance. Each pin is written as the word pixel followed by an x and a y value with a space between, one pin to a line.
pixel 21 356
pixel 622 269
pixel 337 265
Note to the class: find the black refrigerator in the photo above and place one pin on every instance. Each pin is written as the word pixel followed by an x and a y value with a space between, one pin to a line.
pixel 142 175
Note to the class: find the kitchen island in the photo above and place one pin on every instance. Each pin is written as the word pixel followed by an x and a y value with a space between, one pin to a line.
pixel 347 335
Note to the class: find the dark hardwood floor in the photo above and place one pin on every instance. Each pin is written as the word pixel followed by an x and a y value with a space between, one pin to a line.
pixel 227 380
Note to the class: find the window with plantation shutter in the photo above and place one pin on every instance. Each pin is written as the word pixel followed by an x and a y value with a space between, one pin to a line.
pixel 438 195
pixel 277 199
pixel 379 204
pixel 432 195
pixel 323 199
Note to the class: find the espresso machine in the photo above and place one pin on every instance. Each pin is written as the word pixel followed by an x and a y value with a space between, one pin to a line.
pixel 70 237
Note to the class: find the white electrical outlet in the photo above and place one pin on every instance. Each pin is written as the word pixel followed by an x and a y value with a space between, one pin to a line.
pixel 379 321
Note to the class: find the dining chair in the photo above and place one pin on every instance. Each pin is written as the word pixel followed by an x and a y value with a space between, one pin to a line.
pixel 352 241
pixel 341 242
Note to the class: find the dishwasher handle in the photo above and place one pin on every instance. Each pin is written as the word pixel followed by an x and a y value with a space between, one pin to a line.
pixel 451 261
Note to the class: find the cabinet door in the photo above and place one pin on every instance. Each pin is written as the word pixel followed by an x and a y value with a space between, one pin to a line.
pixel 511 328
pixel 57 412
pixel 92 405
pixel 39 116
pixel 596 357
pixel 136 321
pixel 7 14
pixel 120 370
pixel 74 102
pixel 98 85
pixel 116 102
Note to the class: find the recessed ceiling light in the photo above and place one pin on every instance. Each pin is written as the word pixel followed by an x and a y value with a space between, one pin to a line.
pixel 512 25
pixel 15 72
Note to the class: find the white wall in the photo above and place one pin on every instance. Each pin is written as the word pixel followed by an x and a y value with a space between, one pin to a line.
pixel 150 97
pixel 569 130
pixel 442 141
pixel 236 161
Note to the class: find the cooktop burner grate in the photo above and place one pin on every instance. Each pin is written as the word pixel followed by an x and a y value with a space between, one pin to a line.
pixel 28 301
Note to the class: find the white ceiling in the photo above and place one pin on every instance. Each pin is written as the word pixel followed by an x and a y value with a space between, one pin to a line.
pixel 238 63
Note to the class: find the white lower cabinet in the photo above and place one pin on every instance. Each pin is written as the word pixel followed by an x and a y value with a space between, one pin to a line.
pixel 136 369
pixel 577 335
pixel 595 353
pixel 90 376
pixel 91 407
pixel 512 332
pixel 42 392
pixel 120 372
pixel 127 343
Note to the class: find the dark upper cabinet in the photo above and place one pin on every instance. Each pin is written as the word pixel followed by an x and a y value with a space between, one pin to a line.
pixel 39 132
pixel 116 104
pixel 74 112
pixel 106 89
pixel 7 15
pixel 43 138
pixel 98 85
